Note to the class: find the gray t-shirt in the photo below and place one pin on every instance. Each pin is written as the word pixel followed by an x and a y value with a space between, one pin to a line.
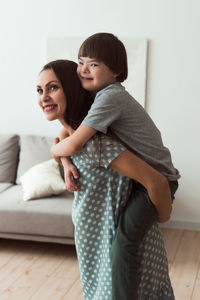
pixel 116 109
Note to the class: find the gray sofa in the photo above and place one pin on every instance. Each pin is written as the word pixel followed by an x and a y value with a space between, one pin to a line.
pixel 46 219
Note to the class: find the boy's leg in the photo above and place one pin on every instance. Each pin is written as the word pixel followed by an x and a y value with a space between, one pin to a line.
pixel 137 218
pixel 134 222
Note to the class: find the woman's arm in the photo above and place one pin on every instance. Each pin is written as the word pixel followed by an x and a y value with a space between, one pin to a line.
pixel 128 164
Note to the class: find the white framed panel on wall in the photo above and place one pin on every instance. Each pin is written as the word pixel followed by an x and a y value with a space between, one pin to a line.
pixel 67 48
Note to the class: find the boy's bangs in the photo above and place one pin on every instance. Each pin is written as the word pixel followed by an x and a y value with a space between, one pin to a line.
pixel 90 50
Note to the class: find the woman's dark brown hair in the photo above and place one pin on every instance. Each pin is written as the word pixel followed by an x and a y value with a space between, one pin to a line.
pixel 78 100
pixel 106 48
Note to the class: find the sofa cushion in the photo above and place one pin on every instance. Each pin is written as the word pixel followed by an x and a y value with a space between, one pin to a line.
pixel 42 180
pixel 4 186
pixel 50 216
pixel 33 150
pixel 9 152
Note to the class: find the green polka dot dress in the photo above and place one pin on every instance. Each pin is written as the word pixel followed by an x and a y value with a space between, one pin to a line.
pixel 96 209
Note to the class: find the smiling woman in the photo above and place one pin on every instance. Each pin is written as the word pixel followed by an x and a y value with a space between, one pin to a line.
pixel 55 88
pixel 104 166
pixel 51 97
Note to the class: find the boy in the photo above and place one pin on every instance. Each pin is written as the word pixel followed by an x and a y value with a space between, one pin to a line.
pixel 102 67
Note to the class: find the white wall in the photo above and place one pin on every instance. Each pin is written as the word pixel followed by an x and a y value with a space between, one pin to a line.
pixel 172 27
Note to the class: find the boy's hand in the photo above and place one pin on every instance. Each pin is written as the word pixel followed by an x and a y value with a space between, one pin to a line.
pixel 70 171
pixel 165 217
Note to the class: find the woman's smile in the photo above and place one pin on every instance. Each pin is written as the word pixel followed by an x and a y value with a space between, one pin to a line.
pixel 49 107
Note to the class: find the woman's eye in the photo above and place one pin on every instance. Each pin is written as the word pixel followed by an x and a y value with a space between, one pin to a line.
pixel 53 87
pixel 39 91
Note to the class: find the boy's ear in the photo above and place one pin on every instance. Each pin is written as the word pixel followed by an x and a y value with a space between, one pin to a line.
pixel 115 75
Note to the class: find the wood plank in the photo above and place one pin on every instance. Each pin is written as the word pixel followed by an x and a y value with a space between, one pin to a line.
pixel 53 289
pixel 75 293
pixel 23 288
pixel 31 277
pixel 69 268
pixel 196 291
pixel 185 267
pixel 24 256
pixel 5 256
pixel 6 250
pixel 172 239
pixel 32 270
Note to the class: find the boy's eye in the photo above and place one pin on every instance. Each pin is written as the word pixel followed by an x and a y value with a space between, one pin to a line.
pixel 80 62
pixel 94 65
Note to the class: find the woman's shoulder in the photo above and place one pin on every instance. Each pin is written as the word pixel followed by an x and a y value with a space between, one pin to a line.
pixel 100 150
pixel 106 139
pixel 101 143
pixel 106 144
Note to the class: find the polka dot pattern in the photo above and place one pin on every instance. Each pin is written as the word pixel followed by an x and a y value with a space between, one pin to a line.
pixel 153 273
pixel 95 213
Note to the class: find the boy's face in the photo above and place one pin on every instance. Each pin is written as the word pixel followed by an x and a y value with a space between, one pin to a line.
pixel 94 75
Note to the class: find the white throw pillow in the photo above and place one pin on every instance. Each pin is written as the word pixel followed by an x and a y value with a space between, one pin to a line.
pixel 42 180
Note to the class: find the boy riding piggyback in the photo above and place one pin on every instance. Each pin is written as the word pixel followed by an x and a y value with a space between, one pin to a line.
pixel 102 67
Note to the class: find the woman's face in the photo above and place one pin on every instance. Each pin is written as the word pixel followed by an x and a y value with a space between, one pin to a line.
pixel 51 97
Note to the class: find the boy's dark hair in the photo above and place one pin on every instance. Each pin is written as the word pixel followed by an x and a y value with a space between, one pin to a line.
pixel 107 48
pixel 78 100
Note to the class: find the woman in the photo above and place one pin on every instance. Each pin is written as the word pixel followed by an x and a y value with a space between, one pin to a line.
pixel 103 192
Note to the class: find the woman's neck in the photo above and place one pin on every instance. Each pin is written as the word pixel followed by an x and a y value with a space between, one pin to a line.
pixel 67 127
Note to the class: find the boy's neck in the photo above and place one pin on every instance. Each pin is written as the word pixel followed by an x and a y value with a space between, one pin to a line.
pixel 94 93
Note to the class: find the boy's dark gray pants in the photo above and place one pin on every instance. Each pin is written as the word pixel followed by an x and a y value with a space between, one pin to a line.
pixel 137 218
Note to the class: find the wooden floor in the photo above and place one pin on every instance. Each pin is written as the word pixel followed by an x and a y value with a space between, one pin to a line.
pixel 41 271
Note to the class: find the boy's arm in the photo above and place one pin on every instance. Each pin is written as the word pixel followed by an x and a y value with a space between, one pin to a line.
pixel 74 143
pixel 70 170
pixel 103 112
pixel 128 164
pixel 70 174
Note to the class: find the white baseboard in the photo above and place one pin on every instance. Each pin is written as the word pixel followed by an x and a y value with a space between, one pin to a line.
pixel 186 225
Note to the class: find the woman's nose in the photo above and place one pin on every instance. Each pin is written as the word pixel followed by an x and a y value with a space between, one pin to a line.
pixel 45 96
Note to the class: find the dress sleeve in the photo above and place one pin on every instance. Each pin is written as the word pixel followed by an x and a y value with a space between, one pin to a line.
pixel 106 150
pixel 103 112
